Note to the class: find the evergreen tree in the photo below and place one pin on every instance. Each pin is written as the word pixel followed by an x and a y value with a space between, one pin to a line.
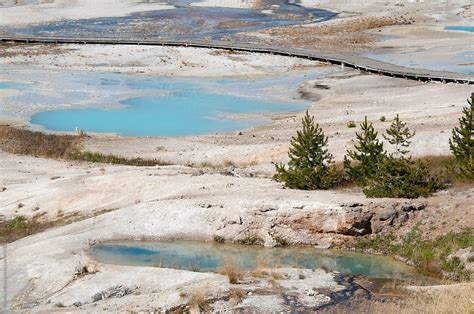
pixel 367 153
pixel 399 135
pixel 397 175
pixel 462 144
pixel 311 165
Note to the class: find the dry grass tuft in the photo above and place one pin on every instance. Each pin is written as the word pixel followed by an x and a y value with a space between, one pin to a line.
pixel 276 276
pixel 438 164
pixel 441 299
pixel 26 142
pixel 59 146
pixel 8 50
pixel 232 270
pixel 260 270
pixel 238 294
pixel 198 301
pixel 235 24
pixel 347 34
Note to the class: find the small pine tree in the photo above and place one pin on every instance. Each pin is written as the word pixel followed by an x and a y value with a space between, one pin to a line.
pixel 399 135
pixel 462 144
pixel 367 153
pixel 397 175
pixel 311 165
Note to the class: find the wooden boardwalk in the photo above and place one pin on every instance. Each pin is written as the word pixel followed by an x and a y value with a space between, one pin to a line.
pixel 348 60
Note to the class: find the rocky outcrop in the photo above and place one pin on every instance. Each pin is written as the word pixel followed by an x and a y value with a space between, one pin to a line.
pixel 465 258
pixel 357 221
pixel 277 225
pixel 86 268
pixel 394 216
pixel 112 292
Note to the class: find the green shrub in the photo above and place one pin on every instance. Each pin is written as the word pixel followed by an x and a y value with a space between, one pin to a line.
pixel 218 239
pixel 250 239
pixel 281 241
pixel 351 124
pixel 401 178
pixel 311 166
pixel 382 119
pixel 462 145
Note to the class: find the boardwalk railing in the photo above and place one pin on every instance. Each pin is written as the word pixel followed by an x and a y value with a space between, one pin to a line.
pixel 348 60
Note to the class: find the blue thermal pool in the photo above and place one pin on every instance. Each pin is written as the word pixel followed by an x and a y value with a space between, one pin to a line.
pixel 203 256
pixel 188 110
pixel 135 105
pixel 12 85
pixel 460 28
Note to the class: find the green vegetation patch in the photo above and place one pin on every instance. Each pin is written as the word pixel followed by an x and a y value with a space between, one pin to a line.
pixel 351 124
pixel 429 255
pixel 20 226
pixel 251 239
pixel 218 239
pixel 95 157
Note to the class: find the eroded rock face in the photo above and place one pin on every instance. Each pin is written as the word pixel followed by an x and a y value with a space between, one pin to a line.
pixel 357 222
pixel 87 267
pixel 322 226
pixel 394 216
